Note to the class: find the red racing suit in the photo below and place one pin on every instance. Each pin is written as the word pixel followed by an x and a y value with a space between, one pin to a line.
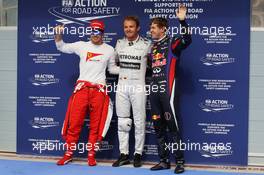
pixel 89 94
pixel 92 98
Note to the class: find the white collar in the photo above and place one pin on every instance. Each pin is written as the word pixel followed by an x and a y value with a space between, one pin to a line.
pixel 130 43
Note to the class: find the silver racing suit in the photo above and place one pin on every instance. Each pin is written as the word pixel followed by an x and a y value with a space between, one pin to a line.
pixel 132 56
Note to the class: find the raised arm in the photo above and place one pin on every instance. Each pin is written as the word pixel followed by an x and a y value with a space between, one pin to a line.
pixel 184 40
pixel 61 45
pixel 58 33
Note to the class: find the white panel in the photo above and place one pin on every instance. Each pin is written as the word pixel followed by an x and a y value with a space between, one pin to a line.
pixel 8 90
pixel 256 126
pixel 256 100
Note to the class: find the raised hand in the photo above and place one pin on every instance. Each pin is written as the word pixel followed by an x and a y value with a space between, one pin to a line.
pixel 59 29
pixel 181 12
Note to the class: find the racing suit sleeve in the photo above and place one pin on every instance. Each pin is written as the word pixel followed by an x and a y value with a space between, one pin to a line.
pixel 112 67
pixel 148 57
pixel 68 47
pixel 182 42
pixel 117 47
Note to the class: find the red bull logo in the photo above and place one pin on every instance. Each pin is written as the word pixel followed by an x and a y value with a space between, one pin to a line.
pixel 158 56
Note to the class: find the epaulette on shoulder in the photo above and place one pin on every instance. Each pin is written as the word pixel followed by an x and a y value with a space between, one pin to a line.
pixel 145 40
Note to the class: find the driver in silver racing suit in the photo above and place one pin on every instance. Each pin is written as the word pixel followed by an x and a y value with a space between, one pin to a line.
pixel 132 53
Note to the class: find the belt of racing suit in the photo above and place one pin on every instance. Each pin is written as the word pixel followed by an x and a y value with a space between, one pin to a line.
pixel 80 84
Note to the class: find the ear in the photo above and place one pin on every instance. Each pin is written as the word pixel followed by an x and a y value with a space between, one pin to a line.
pixel 164 29
pixel 138 29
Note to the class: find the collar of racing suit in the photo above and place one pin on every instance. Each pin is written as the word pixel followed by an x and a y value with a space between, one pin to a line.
pixel 161 40
pixel 131 43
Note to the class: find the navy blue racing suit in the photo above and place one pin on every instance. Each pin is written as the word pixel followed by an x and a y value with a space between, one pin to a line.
pixel 165 57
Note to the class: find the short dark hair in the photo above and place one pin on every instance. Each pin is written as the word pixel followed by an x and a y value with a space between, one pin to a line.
pixel 132 18
pixel 161 22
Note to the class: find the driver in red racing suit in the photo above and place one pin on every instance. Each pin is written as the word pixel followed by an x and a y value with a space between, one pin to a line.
pixel 89 94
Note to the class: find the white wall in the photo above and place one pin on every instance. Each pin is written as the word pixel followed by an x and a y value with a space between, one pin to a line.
pixel 256 99
pixel 8 88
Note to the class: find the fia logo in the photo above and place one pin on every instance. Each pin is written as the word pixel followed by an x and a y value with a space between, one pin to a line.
pixel 67 3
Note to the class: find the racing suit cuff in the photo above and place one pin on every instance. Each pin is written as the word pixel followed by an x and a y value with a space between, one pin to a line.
pixel 183 22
